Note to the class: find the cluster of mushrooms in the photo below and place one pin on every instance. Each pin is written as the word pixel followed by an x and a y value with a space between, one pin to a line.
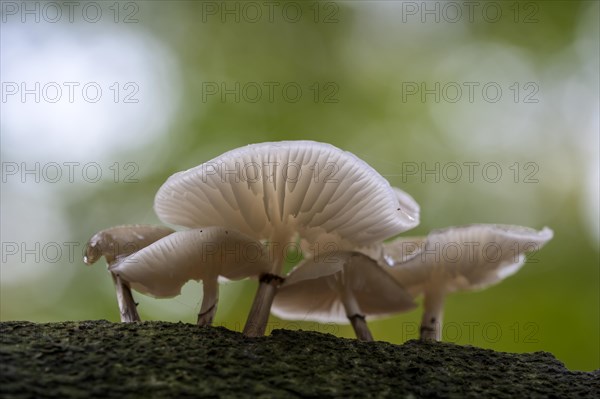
pixel 246 208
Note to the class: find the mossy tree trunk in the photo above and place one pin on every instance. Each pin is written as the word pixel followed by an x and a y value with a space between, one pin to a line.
pixel 156 359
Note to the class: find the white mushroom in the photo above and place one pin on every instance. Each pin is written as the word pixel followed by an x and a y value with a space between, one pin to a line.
pixel 459 258
pixel 116 243
pixel 375 250
pixel 342 287
pixel 161 269
pixel 275 191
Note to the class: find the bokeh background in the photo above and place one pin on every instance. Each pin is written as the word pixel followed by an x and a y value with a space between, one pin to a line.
pixel 102 101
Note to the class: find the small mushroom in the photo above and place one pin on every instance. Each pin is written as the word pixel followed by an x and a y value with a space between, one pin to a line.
pixel 162 268
pixel 274 192
pixel 347 286
pixel 459 258
pixel 116 243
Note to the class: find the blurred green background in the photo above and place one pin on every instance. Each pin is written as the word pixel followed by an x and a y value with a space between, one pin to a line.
pixel 508 87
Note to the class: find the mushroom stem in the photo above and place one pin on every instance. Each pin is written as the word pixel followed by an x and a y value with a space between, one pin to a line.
pixel 210 300
pixel 353 311
pixel 431 323
pixel 259 313
pixel 127 306
pixel 360 327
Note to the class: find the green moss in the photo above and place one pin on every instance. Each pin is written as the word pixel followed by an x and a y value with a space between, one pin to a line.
pixel 156 359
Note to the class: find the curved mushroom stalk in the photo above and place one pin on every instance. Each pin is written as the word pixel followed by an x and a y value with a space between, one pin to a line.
pixel 361 329
pixel 162 268
pixel 433 311
pixel 353 312
pixel 210 299
pixel 272 191
pixel 459 259
pixel 256 323
pixel 127 306
pixel 116 243
pixel 343 288
pixel 268 283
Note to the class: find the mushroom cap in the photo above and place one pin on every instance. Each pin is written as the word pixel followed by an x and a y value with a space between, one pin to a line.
pixel 121 241
pixel 401 249
pixel 326 243
pixel 408 206
pixel 465 257
pixel 162 268
pixel 311 290
pixel 273 190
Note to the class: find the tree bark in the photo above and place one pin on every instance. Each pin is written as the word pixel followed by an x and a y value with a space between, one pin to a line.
pixel 169 360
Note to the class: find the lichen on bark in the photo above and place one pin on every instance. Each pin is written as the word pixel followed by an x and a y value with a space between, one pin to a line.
pixel 157 359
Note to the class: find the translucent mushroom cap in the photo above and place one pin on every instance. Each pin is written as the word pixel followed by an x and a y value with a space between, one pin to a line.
pixel 326 243
pixel 121 241
pixel 408 206
pixel 401 249
pixel 162 268
pixel 273 190
pixel 463 258
pixel 312 291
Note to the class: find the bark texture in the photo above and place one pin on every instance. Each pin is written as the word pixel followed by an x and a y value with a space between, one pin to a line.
pixel 156 359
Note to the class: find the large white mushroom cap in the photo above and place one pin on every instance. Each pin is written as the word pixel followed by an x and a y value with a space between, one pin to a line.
pixel 315 290
pixel 274 190
pixel 162 268
pixel 463 258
